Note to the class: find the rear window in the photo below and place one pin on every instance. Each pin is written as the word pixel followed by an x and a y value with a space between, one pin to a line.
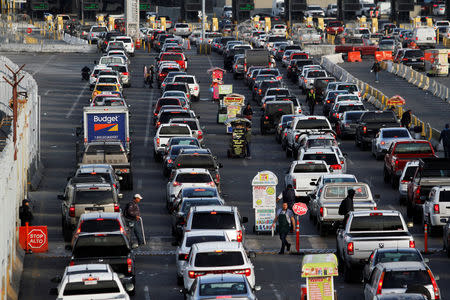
pixel 199 193
pixel 93 197
pixel 330 159
pixel 395 133
pixel 380 117
pixel 125 40
pixel 273 39
pixel 414 53
pixel 94 287
pixel 312 124
pixel 344 108
pixel 270 84
pixel 106 88
pixel 167 70
pixel 171 130
pixel 339 179
pixel 444 196
pixel 268 72
pixel 376 222
pixel 184 141
pixel 283 108
pixel 409 173
pixel 277 92
pixel 99 29
pixel 316 74
pixel 321 143
pixel 342 191
pixel 192 161
pixel 184 79
pixel 348 87
pixel 219 259
pixel 402 279
pixel 347 98
pixel 413 148
pixel 100 246
pixel 107 80
pixel 193 178
pixel 171 101
pixel 176 87
pixel 182 26
pixel 100 225
pixel 353 116
pixel 171 56
pixel 386 257
pixel 105 176
pixel 299 56
pixel 166 116
pixel 120 69
pixel 222 288
pixel 213 220
pixel 187 204
pixel 310 168
pixel 192 124
pixel 204 239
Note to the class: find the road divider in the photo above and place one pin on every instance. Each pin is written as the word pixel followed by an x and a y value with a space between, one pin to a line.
pixel 380 100
pixel 48 48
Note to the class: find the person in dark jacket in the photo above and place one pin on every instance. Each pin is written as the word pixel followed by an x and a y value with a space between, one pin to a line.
pixel 285 218
pixel 406 119
pixel 133 216
pixel 347 205
pixel 25 213
pixel 288 196
pixel 311 99
pixel 445 138
pixel 248 112
pixel 376 68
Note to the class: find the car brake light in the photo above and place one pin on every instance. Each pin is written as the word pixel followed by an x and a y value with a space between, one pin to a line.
pixel 350 249
pixel 130 265
pixel 294 183
pixel 182 256
pixel 336 167
pixel 321 211
pixel 365 129
pixel 199 134
pixel 157 140
pixel 211 183
pixel 116 208
pixel 169 161
pixel 435 287
pixel 417 191
pixel 239 236
pixel 412 244
pixel 125 73
pixel 382 143
pixel 72 211
pixel 266 117
pixel 380 284
pixel 195 88
pixel 72 263
pixel 436 208
pixel 176 183
pixel 217 177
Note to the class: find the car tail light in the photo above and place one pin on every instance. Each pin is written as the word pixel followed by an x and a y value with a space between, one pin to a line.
pixel 239 236
pixel 380 284
pixel 72 211
pixel 417 192
pixel 337 116
pixel 336 167
pixel 294 183
pixel 193 274
pixel 259 91
pixel 405 59
pixel 199 134
pixel 247 272
pixel 130 265
pixel 365 129
pixel 125 73
pixel 211 183
pixel 435 287
pixel 404 181
pixel 436 208
pixel 72 263
pixel 157 141
pixel 266 117
pixel 422 58
pixel 176 183
pixel 279 78
pixel 328 101
pixel 412 244
pixel 183 256
pixel 417 38
pixel 321 211
pixel 116 208
pixel 350 249
pixel 169 161
pixel 382 143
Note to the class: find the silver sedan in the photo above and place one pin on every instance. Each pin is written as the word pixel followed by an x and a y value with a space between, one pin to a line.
pixel 385 137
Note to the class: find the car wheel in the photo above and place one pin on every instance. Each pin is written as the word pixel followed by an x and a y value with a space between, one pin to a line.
pixel 322 229
pixel 67 233
pixel 394 181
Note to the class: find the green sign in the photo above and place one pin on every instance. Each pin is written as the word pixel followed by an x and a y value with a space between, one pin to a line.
pixel 39 6
pixel 144 6
pixel 90 6
pixel 247 6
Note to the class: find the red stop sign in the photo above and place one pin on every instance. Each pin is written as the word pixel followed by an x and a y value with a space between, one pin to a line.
pixel 300 208
pixel 29 30
pixel 37 238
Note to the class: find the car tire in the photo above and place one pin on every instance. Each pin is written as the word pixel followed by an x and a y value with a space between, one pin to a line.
pixel 67 234
pixel 322 229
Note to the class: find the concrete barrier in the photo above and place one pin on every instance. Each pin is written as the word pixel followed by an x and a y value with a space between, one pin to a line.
pixel 48 48
pixel 319 50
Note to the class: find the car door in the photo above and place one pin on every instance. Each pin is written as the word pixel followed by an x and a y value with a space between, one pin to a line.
pixel 371 285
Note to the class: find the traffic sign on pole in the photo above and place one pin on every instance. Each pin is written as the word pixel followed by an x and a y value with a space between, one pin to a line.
pixel 34 238
pixel 29 30
pixel 300 208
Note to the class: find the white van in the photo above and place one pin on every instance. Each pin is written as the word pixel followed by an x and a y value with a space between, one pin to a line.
pixel 424 37
pixel 278 8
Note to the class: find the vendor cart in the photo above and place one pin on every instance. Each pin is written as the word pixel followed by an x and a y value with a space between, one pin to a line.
pixel 319 270
pixel 229 107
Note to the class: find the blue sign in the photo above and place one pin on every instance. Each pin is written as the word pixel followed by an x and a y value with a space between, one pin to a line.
pixel 106 127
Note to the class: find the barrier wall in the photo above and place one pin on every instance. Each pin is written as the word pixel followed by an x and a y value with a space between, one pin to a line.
pixel 16 174
pixel 375 96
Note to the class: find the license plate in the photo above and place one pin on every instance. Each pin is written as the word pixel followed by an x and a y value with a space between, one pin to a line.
pixel 414 59
pixel 429 38
pixel 94 208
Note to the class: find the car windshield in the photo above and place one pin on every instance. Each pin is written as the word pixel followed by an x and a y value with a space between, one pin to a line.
pixel 444 196
pixel 107 80
pixel 192 124
pixel 409 173
pixel 272 39
pixel 342 191
pixel 93 197
pixel 222 288
pixel 185 141
pixel 187 204
pixel 312 124
pixel 200 193
pixel 310 168
pixel 100 225
pixel 219 259
pixel 168 101
pixel 193 178
pixel 106 88
pixel 191 240
pixel 397 133
pixel 280 108
pixel 376 222
pixel 172 56
pixel 321 143
pixel 125 40
pixel 94 287
pixel 213 220
pixel 403 279
pixel 385 257
pixel 193 161
pixel 413 148
pixel 105 176
pixel 329 158
pixel 182 26
pixel 414 53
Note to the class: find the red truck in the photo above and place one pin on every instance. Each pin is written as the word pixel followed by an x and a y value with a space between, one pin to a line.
pixel 400 153
pixel 430 173
pixel 349 44
pixel 334 27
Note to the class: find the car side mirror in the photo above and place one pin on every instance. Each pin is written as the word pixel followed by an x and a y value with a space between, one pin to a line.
pixel 61 197
pixel 244 220
pixel 120 196
pixel 410 224
pixel 251 254
pixel 53 292
pixel 56 279
pixel 257 288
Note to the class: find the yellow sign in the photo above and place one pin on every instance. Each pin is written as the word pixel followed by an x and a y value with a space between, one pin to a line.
pixel 163 23
pixel 215 24
pixel 267 24
pixel 270 190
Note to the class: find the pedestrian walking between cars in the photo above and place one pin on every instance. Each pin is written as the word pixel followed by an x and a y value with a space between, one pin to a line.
pixel 133 217
pixel 285 218
pixel 445 138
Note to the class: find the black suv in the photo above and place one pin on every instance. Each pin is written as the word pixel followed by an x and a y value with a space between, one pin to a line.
pixel 111 248
pixel 273 112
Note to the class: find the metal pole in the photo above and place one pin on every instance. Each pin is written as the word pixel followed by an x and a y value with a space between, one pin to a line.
pixel 426 238
pixel 203 21
pixel 82 12
pixel 297 234
pixel 290 16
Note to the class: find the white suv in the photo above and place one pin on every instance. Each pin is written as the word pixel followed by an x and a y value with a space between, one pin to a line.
pixel 128 43
pixel 332 156
pixel 218 257
pixel 436 209
pixel 192 82
pixel 182 29
pixel 91 281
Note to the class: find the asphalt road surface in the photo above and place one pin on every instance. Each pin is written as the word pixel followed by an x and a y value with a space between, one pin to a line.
pixel 63 97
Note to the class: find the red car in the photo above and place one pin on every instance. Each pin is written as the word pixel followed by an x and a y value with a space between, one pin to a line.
pixel 179 58
pixel 334 27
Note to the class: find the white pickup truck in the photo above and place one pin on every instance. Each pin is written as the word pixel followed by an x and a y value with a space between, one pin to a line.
pixel 164 133
pixel 366 231
pixel 305 125
pixel 324 206
pixel 303 175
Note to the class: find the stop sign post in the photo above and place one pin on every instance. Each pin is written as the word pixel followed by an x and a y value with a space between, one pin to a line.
pixel 299 209
pixel 29 30
pixel 33 238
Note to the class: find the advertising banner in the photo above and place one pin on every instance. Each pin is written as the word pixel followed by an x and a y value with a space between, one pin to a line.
pixel 104 127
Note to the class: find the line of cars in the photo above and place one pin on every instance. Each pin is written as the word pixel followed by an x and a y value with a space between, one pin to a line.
pixel 102 262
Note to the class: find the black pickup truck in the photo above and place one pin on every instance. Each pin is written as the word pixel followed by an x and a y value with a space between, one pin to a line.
pixel 370 123
pixel 320 86
pixel 111 248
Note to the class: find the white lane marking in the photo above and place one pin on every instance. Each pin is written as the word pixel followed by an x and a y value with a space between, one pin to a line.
pixel 43 65
pixel 149 116
pixel 76 101
pixel 275 291
pixel 146 293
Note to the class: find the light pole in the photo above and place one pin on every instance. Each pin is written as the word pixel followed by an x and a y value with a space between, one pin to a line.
pixel 82 12
pixel 290 15
pixel 203 21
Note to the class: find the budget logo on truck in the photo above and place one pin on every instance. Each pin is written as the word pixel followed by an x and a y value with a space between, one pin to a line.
pixel 103 127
